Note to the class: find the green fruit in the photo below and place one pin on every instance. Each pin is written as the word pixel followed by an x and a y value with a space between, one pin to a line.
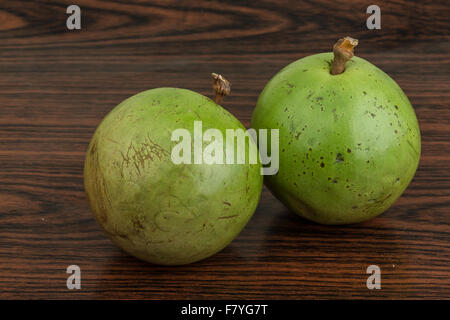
pixel 156 210
pixel 349 142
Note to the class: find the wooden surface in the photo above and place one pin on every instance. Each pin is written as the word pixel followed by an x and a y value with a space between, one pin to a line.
pixel 56 86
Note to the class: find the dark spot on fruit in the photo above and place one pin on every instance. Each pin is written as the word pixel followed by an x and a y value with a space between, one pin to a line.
pixel 349 150
pixel 310 149
pixel 355 207
pixel 322 164
pixel 304 172
pixel 365 93
pixel 138 223
pixel 368 161
pixel 227 203
pixel 122 235
pixel 396 107
pixel 395 131
pixel 373 115
pixel 304 70
pixel 397 180
pixel 335 181
pixel 339 158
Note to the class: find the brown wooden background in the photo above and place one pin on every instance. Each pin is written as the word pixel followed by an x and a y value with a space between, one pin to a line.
pixel 56 85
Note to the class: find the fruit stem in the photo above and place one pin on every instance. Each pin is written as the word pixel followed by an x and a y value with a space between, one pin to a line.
pixel 343 51
pixel 221 86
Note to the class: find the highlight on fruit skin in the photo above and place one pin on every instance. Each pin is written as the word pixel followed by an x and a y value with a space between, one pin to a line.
pixel 349 137
pixel 152 208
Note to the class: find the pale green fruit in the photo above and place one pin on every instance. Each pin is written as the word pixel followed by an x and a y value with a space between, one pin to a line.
pixel 152 208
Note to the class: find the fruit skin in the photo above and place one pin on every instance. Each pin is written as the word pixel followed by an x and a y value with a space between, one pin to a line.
pixel 153 209
pixel 349 143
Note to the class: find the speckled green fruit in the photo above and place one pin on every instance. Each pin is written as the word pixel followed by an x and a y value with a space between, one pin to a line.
pixel 349 143
pixel 156 210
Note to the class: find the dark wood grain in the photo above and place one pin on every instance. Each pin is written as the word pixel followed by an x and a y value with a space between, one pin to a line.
pixel 56 86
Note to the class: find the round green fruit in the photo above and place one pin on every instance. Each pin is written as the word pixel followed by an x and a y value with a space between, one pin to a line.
pixel 349 138
pixel 154 209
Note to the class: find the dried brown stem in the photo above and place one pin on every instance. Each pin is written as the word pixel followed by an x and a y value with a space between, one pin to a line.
pixel 343 51
pixel 221 86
